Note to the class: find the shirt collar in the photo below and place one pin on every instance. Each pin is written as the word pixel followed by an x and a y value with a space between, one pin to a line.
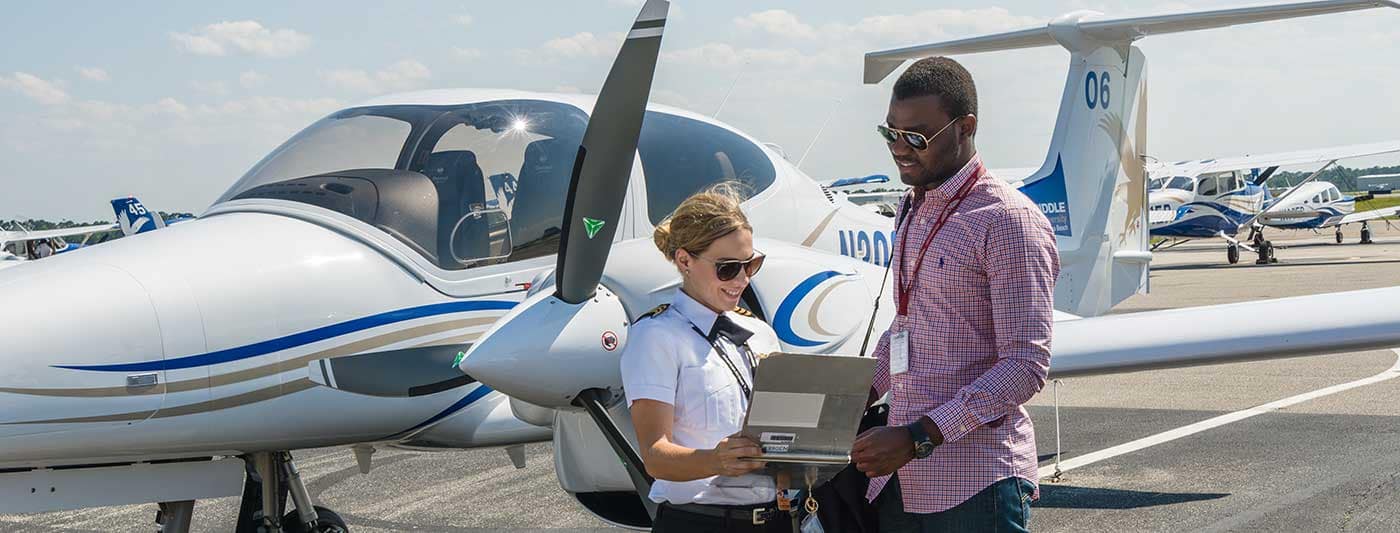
pixel 969 171
pixel 694 311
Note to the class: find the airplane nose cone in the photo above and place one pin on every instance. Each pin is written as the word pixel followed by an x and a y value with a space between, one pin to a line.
pixel 61 312
pixel 545 351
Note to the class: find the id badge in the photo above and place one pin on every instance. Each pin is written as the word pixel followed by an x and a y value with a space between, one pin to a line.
pixel 899 352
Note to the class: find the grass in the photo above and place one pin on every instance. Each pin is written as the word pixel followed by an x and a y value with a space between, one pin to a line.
pixel 1379 202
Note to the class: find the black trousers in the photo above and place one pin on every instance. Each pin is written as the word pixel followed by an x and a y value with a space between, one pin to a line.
pixel 670 519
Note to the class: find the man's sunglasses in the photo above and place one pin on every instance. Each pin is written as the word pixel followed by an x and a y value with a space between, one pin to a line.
pixel 729 269
pixel 915 139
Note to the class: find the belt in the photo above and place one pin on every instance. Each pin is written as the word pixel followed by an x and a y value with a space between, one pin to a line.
pixel 757 514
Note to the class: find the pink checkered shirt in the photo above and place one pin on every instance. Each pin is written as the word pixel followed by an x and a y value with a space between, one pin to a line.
pixel 979 324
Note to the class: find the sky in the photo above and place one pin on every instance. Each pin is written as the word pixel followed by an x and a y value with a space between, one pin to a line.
pixel 173 101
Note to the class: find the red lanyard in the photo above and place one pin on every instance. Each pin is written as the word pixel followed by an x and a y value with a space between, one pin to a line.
pixel 943 216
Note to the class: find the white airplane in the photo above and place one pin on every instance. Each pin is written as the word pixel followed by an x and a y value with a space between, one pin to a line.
pixel 547 356
pixel 1216 198
pixel 415 222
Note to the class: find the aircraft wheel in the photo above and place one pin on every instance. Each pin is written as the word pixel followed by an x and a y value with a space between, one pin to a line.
pixel 1232 254
pixel 326 522
pixel 1339 236
pixel 1365 235
pixel 1266 254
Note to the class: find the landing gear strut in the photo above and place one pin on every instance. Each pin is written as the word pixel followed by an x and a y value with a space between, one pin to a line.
pixel 1365 234
pixel 271 478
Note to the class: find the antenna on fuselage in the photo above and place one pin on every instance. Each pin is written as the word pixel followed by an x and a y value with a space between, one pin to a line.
pixel 733 84
pixel 834 106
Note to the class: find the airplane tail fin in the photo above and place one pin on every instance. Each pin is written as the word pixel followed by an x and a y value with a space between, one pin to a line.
pixel 134 218
pixel 1093 183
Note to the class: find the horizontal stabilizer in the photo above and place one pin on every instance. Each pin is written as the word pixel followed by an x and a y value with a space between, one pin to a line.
pixel 1068 28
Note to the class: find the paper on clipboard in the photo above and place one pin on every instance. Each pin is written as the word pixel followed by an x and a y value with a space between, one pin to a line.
pixel 786 409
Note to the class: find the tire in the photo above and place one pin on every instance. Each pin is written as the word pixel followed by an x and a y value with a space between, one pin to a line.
pixel 1339 237
pixel 326 522
pixel 1232 254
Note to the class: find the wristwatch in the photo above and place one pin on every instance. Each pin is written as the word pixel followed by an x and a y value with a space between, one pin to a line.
pixel 923 447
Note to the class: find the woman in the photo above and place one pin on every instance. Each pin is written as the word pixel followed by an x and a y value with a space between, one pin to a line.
pixel 688 373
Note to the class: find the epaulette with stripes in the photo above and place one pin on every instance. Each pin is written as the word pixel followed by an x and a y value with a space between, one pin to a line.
pixel 743 312
pixel 658 310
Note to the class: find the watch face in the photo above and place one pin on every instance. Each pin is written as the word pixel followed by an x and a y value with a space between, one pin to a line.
pixel 923 449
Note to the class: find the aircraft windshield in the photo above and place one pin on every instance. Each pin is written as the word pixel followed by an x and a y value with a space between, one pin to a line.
pixel 1178 182
pixel 465 186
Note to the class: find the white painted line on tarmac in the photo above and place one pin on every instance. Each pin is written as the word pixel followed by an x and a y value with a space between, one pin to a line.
pixel 1186 431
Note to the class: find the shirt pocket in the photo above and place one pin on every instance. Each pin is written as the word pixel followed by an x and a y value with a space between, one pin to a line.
pixel 711 399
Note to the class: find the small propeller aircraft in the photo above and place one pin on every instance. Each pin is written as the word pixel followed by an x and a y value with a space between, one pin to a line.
pixel 1217 198
pixel 507 234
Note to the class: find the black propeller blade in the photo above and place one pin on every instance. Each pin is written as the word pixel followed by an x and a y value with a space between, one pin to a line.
pixel 604 161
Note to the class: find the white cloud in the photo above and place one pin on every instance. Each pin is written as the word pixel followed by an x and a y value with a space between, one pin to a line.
pixel 252 79
pixel 726 56
pixel 36 88
pixel 463 20
pixel 777 22
pixel 169 106
pixel 215 88
pixel 93 73
pixel 933 24
pixel 246 36
pixel 468 53
pixel 583 44
pixel 401 76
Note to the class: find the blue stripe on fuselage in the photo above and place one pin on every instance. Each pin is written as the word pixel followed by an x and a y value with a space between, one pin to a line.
pixel 299 339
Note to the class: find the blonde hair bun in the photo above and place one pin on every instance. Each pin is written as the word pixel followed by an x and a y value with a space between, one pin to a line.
pixel 702 219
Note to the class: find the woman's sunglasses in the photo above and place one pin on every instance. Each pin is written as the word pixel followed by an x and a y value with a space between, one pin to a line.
pixel 727 270
pixel 915 139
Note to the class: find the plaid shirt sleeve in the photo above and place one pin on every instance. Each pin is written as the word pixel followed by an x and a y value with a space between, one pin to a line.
pixel 1021 263
pixel 881 384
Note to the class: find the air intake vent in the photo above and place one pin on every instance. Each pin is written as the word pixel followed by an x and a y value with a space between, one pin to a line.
pixel 830 197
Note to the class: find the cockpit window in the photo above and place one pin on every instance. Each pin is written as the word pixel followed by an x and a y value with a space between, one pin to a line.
pixel 682 156
pixel 465 186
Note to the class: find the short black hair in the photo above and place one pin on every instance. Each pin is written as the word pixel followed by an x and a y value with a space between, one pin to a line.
pixel 942 77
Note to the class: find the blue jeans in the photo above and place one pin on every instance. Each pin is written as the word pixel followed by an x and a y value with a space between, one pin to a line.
pixel 1005 506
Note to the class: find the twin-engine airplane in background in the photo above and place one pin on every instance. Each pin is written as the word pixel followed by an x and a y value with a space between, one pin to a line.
pixel 507 234
pixel 1217 198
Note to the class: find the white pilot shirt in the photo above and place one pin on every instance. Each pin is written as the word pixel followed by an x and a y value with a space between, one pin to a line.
pixel 668 361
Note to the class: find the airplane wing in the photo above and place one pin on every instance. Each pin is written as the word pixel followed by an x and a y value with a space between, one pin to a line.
pixel 1362 216
pixel 1337 323
pixel 1299 157
pixel 11 236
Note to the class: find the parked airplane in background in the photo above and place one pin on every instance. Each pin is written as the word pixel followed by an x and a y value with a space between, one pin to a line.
pixel 1320 205
pixel 134 218
pixel 1217 198
pixel 21 244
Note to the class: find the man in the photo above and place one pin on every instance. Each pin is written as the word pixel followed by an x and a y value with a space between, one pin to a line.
pixel 974 276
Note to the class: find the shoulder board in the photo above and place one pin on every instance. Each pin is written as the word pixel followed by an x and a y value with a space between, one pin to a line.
pixel 658 310
pixel 743 312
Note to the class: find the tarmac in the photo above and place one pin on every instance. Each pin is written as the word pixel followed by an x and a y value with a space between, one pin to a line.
pixel 1304 444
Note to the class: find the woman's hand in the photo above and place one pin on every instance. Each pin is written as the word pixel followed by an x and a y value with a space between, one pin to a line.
pixel 728 452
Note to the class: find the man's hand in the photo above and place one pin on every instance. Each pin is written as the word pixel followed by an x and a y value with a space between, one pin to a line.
pixel 728 452
pixel 881 451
